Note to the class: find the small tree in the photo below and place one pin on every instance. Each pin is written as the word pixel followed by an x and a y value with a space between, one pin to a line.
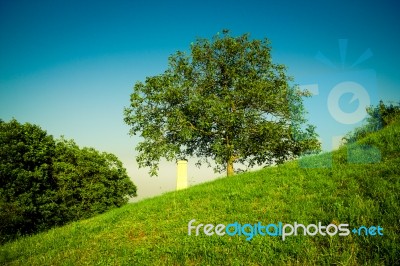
pixel 226 101
pixel 89 182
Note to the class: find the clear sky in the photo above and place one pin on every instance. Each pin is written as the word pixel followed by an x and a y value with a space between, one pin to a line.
pixel 69 66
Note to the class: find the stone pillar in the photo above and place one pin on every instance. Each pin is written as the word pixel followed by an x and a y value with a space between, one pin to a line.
pixel 181 175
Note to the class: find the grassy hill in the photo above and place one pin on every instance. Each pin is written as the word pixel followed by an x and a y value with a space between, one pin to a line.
pixel 360 188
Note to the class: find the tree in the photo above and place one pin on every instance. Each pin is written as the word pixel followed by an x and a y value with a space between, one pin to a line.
pixel 46 183
pixel 89 182
pixel 224 102
pixel 27 189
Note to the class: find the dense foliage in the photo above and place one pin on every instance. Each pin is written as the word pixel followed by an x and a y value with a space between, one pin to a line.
pixel 45 183
pixel 27 187
pixel 226 102
pixel 89 182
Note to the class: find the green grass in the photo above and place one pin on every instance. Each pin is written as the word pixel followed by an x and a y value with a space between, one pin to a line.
pixel 358 185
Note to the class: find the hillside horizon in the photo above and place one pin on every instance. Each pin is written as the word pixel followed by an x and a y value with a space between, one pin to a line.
pixel 361 193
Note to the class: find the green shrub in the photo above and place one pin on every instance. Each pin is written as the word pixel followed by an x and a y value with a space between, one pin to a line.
pixel 379 117
pixel 46 183
pixel 26 184
pixel 89 182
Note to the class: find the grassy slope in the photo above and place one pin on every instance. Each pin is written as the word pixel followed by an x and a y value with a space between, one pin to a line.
pixel 154 231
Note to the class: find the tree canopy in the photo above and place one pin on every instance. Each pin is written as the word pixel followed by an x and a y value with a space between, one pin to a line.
pixel 27 196
pixel 225 102
pixel 46 182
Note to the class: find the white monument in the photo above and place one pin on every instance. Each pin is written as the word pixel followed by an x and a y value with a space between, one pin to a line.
pixel 181 175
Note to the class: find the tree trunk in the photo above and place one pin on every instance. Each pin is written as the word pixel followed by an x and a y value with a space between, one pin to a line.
pixel 229 167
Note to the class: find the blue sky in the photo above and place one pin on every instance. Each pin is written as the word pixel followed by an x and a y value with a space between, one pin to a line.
pixel 69 66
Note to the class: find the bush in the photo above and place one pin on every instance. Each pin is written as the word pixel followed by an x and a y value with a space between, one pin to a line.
pixel 26 183
pixel 89 182
pixel 46 183
pixel 379 117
